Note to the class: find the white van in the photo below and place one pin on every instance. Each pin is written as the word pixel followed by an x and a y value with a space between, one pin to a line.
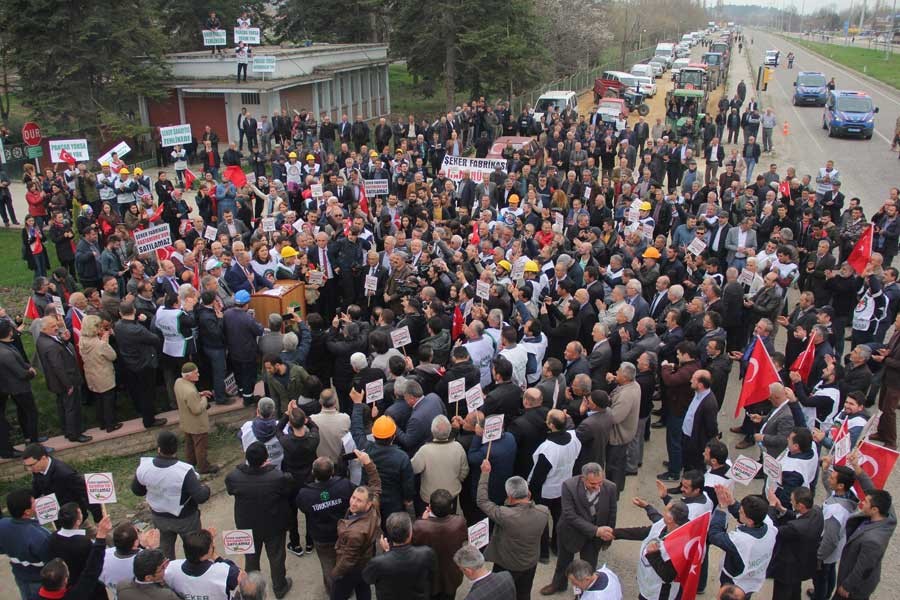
pixel 561 100
pixel 666 50
pixel 688 39
pixel 643 70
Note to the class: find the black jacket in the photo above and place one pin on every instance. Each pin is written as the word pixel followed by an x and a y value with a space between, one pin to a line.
pixel 325 503
pixel 67 484
pixel 299 452
pixel 455 371
pixel 261 499
pixel 85 587
pixel 506 399
pixel 530 430
pixel 794 557
pixel 211 328
pixel 404 573
pixel 136 346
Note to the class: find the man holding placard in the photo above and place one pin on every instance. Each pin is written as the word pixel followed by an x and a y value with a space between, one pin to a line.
pixel 53 476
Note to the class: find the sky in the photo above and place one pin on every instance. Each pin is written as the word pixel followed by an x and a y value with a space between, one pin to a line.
pixel 810 4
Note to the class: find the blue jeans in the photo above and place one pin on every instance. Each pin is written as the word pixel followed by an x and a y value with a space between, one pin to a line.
pixel 751 165
pixel 216 358
pixel 28 589
pixel 739 264
pixel 673 442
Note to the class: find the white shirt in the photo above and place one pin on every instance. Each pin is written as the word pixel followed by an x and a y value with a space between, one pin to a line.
pixel 688 424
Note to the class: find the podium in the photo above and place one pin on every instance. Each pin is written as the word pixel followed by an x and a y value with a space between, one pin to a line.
pixel 282 298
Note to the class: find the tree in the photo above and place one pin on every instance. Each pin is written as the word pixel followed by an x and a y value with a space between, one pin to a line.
pixel 183 20
pixel 80 67
pixel 350 21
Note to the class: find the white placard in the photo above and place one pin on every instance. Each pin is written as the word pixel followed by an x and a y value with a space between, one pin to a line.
pixel 479 533
pixel 870 426
pixel 559 221
pixel 743 470
pixel 58 305
pixel 493 428
pixel 316 278
pixel 374 391
pixel 316 190
pixel 746 277
pixel 696 247
pixel 453 167
pixel 634 215
pixel 46 509
pixel 474 398
pixel 215 37
pixel 231 387
pixel 100 488
pixel 238 541
pixel 376 187
pixel 841 449
pixel 268 224
pixel 148 240
pixel 210 233
pixel 174 135
pixel 248 35
pixel 263 64
pixel 120 149
pixel 772 468
pixel 483 289
pixel 456 390
pixel 371 283
pixel 648 231
pixel 401 337
pixel 77 148
pixel 518 270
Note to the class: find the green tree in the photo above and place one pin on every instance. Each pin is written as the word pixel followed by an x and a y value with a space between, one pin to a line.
pixel 82 64
pixel 349 21
pixel 183 20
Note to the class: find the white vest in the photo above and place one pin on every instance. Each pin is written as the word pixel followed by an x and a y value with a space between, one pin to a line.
pixel 276 450
pixel 695 509
pixel 807 467
pixel 613 590
pixel 835 509
pixel 174 343
pixel 482 353
pixel 106 192
pixel 810 411
pixel 756 554
pixel 163 485
pixel 212 585
pixel 711 480
pixel 562 460
pixel 116 570
pixel 649 582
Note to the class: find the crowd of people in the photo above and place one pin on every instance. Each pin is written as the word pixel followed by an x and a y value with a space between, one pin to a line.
pixel 584 296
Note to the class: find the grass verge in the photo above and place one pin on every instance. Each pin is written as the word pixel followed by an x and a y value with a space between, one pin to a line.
pixel 864 60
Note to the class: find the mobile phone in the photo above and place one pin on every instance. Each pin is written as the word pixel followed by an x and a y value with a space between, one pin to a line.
pixel 348 457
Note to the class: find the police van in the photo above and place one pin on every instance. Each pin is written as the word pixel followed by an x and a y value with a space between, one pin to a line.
pixel 849 113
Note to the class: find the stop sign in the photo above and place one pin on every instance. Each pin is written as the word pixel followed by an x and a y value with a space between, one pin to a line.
pixel 31 134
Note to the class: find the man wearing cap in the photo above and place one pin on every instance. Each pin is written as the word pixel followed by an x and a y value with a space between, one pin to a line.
pixel 648 272
pixel 126 187
pixel 241 331
pixel 193 418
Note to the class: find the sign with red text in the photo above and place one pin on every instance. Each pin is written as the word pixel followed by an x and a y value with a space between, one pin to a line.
pixel 743 470
pixel 100 488
pixel 238 541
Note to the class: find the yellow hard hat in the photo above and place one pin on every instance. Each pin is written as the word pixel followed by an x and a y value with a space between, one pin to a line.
pixel 123 171
pixel 532 267
pixel 288 251
pixel 373 153
pixel 646 206
pixel 651 252
pixel 292 155
pixel 513 198
pixel 310 157
pixel 384 428
pixel 138 171
pixel 106 164
pixel 504 264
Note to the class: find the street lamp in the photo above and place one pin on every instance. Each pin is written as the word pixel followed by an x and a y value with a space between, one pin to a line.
pixel 641 39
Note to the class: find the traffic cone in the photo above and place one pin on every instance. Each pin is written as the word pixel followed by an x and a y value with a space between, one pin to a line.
pixel 786 130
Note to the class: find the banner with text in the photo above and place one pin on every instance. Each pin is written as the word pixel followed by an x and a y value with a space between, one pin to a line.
pixel 454 166
pixel 120 149
pixel 215 37
pixel 148 240
pixel 176 134
pixel 263 64
pixel 77 148
pixel 248 35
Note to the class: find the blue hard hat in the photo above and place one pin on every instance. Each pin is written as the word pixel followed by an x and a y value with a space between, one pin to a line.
pixel 242 297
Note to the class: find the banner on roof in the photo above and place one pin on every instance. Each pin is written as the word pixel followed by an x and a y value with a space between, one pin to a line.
pixel 454 167
pixel 248 35
pixel 215 37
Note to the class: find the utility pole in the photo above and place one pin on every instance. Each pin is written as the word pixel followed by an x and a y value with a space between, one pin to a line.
pixel 862 16
pixel 889 37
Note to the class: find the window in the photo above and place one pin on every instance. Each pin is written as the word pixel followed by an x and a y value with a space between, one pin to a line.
pixel 250 98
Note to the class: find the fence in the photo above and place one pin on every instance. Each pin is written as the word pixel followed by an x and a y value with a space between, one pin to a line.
pixel 580 81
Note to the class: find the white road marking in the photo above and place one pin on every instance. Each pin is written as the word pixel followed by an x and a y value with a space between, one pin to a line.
pixel 814 138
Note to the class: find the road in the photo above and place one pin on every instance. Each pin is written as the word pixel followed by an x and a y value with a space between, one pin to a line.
pixel 863 163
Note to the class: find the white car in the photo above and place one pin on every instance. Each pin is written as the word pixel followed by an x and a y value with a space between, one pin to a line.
pixel 558 99
pixel 772 57
pixel 682 51
pixel 678 65
pixel 659 64
pixel 643 69
pixel 646 85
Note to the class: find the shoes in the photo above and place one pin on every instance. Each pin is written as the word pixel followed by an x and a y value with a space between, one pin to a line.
pixel 115 427
pixel 288 582
pixel 158 422
pixel 630 473
pixel 657 412
pixel 875 437
pixel 743 444
pixel 211 470
pixel 735 429
pixel 81 439
pixel 38 440
pixel 295 550
pixel 550 589
pixel 668 476
pixel 544 560
pixel 657 425
pixel 13 454
pixel 309 549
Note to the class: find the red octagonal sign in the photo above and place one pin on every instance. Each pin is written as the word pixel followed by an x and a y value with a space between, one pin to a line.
pixel 31 134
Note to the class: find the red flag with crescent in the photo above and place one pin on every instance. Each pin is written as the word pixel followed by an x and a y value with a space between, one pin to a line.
pixel 804 361
pixel 686 547
pixel 878 462
pixel 66 157
pixel 862 251
pixel 760 373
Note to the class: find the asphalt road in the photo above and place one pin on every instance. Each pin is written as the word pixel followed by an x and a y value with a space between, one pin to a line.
pixel 868 167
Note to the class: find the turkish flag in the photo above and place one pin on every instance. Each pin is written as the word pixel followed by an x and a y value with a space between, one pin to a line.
pixel 165 253
pixel 363 200
pixel 459 322
pixel 760 373
pixel 785 188
pixel 804 361
pixel 878 462
pixel 235 174
pixel 862 251
pixel 686 547
pixel 476 239
pixel 189 179
pixel 31 310
pixel 66 157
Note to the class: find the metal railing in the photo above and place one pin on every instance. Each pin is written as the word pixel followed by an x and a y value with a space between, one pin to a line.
pixel 580 81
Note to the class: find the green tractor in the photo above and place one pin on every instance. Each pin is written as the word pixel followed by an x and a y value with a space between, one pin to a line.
pixel 686 112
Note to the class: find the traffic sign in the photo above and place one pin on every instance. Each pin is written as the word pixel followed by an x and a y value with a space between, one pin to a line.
pixel 31 133
pixel 34 152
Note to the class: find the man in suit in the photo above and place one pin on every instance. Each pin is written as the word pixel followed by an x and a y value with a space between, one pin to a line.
pixel 485 584
pixel 641 134
pixel 738 242
pixel 376 270
pixel 60 367
pixel 777 426
pixel 699 425
pixel 242 116
pixel 799 532
pixel 767 301
pixel 647 340
pixel 890 387
pixel 344 129
pixel 718 235
pixel 633 291
pixel 402 570
pixel 240 276
pixel 660 300
pixel 715 156
pixel 250 129
pixel 53 476
pixel 424 410
pixel 553 383
pixel 833 201
pixel 323 258
pixel 578 530
pixel 816 266
pixel 600 358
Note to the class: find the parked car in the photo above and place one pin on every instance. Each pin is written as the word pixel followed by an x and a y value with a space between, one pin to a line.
pixel 642 69
pixel 560 100
pixel 849 113
pixel 646 85
pixel 660 65
pixel 678 65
